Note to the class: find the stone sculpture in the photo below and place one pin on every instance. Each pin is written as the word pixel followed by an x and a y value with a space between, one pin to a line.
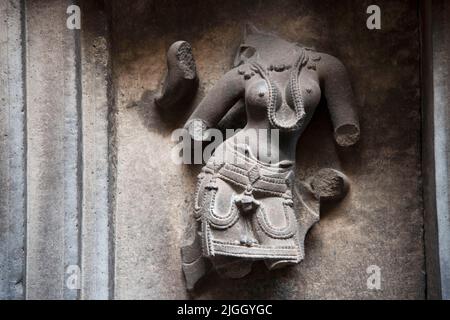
pixel 253 209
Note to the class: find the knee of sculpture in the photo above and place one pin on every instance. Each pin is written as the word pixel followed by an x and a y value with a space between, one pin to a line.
pixel 248 204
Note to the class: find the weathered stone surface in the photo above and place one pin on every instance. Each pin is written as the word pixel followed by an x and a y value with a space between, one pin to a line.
pixel 96 224
pixel 436 145
pixel 12 151
pixel 79 165
pixel 53 111
pixel 380 221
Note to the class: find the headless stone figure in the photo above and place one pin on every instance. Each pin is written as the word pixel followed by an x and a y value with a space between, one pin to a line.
pixel 248 207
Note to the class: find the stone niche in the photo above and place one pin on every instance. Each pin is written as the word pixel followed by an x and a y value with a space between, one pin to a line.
pixel 380 221
pixel 95 183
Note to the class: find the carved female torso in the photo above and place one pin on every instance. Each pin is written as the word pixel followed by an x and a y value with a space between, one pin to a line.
pixel 282 97
pixel 245 210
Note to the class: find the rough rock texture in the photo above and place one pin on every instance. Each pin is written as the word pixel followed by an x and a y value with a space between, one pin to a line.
pixel 380 221
pixel 12 152
pixel 436 145
pixel 97 249
pixel 52 151
pixel 54 146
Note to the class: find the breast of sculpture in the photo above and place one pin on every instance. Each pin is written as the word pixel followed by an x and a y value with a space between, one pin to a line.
pixel 248 207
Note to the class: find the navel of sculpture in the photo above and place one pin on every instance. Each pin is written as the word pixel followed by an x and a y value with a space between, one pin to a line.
pixel 254 209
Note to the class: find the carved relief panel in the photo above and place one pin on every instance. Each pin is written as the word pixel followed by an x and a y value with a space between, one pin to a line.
pixel 249 207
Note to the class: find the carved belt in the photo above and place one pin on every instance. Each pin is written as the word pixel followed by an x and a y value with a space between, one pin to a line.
pixel 247 172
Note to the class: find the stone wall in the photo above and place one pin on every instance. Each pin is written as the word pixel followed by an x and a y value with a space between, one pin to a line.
pixel 86 177
pixel 436 143
pixel 54 196
pixel 379 223
pixel 12 151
